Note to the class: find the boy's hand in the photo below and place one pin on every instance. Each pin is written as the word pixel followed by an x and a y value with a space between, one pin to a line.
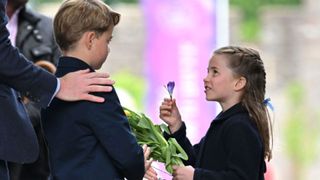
pixel 150 173
pixel 77 85
pixel 170 114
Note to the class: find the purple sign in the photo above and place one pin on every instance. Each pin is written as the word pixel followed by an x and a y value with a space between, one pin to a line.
pixel 180 40
pixel 181 36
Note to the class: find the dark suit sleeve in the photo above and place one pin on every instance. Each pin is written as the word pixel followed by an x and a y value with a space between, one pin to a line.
pixel 111 126
pixel 244 151
pixel 184 142
pixel 19 73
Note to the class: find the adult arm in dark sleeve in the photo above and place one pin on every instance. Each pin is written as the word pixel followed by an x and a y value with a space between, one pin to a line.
pixel 19 73
pixel 244 152
pixel 111 126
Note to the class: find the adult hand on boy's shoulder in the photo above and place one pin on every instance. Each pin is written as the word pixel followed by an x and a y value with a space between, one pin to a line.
pixel 77 86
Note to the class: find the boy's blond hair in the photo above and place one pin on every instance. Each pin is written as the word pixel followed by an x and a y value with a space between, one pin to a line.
pixel 75 17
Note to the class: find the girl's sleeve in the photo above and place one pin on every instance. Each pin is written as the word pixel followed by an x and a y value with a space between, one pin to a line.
pixel 184 142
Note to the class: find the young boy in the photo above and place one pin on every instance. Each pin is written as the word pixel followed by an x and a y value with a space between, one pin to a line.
pixel 88 140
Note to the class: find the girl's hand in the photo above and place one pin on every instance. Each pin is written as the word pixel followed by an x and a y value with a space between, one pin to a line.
pixel 170 114
pixel 183 172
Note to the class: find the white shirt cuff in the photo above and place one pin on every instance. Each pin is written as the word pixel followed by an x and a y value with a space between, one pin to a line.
pixel 56 91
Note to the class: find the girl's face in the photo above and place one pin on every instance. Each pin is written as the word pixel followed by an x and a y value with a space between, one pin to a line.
pixel 101 48
pixel 220 82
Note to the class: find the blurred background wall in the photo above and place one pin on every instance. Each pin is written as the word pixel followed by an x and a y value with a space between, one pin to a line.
pixel 287 34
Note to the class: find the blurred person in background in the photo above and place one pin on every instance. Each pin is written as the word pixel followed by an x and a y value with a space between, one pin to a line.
pixel 32 34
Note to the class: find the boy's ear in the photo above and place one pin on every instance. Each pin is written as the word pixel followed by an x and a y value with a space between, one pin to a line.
pixel 240 83
pixel 89 37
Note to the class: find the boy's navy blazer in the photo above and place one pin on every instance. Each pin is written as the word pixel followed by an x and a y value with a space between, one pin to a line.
pixel 90 140
pixel 18 142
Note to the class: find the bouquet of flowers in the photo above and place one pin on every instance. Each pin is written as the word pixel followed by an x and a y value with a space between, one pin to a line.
pixel 162 150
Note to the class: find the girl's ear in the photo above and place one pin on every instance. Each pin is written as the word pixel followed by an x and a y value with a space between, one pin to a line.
pixel 240 83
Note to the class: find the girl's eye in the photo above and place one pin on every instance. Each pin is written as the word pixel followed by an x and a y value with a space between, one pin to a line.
pixel 212 71
pixel 215 72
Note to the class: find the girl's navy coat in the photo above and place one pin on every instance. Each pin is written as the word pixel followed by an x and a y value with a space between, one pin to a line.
pixel 232 148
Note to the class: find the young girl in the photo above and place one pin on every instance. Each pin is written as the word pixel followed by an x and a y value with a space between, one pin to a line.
pixel 239 139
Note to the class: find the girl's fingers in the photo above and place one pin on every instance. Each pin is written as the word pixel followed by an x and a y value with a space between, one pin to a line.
pixel 165 107
pixel 165 113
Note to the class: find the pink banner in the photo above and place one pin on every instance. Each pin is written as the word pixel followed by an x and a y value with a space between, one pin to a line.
pixel 181 36
pixel 180 40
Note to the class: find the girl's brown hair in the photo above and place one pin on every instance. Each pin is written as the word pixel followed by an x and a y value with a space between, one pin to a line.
pixel 75 17
pixel 246 62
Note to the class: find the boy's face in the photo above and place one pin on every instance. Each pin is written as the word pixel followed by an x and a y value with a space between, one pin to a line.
pixel 101 48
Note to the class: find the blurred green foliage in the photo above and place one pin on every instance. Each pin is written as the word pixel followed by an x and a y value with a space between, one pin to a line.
pixel 43 1
pixel 301 133
pixel 37 3
pixel 134 85
pixel 250 27
pixel 123 1
pixel 106 1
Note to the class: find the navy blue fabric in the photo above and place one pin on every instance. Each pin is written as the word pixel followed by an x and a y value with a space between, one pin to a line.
pixel 35 41
pixel 19 73
pixel 232 148
pixel 90 140
pixel 18 142
pixel 4 174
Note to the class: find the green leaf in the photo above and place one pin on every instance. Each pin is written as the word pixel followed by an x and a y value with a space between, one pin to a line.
pixel 168 152
pixel 165 128
pixel 182 153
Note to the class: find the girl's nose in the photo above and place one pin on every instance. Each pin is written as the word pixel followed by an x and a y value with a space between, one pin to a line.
pixel 205 79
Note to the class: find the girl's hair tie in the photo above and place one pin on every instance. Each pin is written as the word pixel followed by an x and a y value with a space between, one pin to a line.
pixel 268 103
